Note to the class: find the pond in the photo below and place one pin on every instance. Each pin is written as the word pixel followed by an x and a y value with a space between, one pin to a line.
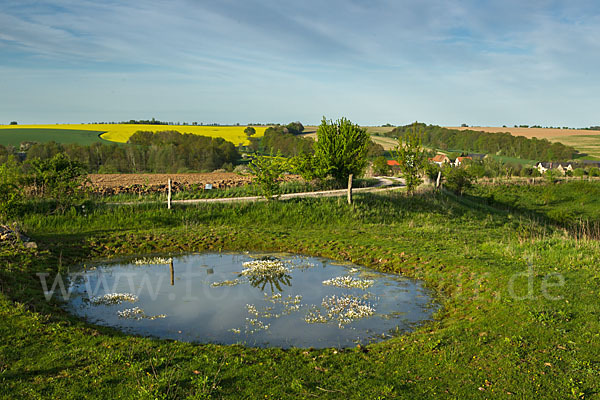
pixel 263 300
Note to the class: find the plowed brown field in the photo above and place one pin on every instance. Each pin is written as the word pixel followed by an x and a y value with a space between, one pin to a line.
pixel 146 183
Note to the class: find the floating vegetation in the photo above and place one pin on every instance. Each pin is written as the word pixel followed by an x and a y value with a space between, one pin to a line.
pixel 264 269
pixel 349 282
pixel 255 325
pixel 137 313
pixel 282 306
pixel 114 298
pixel 343 310
pixel 152 261
pixel 226 283
pixel 302 265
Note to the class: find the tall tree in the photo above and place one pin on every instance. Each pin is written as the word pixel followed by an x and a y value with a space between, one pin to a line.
pixel 341 149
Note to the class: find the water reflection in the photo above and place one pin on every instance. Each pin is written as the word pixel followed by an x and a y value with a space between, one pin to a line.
pixel 275 282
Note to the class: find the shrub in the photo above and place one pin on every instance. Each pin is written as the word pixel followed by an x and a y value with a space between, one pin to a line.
pixel 458 179
pixel 412 158
pixel 432 170
pixel 380 166
pixel 10 195
pixel 551 175
pixel 268 170
pixel 57 178
pixel 304 165
pixel 580 172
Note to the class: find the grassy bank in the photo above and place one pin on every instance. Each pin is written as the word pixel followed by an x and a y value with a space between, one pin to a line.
pixel 520 315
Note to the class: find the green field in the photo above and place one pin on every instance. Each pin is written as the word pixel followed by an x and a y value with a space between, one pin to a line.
pixel 15 136
pixel 519 295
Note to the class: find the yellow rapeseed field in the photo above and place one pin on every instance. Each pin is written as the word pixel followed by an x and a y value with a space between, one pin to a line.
pixel 121 132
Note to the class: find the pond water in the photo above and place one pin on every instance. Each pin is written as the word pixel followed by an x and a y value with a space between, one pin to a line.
pixel 264 300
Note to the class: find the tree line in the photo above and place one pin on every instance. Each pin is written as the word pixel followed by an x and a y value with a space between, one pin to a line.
pixel 160 152
pixel 503 144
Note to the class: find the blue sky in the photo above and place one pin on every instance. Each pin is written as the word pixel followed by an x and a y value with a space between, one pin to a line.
pixel 445 62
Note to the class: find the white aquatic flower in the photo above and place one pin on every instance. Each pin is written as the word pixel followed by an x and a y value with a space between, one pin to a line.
pixel 252 310
pixel 349 282
pixel 114 298
pixel 343 309
pixel 254 325
pixel 264 269
pixel 152 260
pixel 131 313
pixel 137 313
pixel 281 306
pixel 226 283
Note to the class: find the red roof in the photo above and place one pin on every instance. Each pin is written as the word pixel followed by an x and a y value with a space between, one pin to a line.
pixel 461 159
pixel 439 158
pixel 392 163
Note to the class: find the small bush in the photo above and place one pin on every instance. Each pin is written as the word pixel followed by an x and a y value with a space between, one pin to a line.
pixel 380 166
pixel 268 170
pixel 458 179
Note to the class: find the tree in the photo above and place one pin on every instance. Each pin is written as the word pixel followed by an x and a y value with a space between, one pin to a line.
pixel 295 128
pixel 277 140
pixel 341 149
pixel 249 131
pixel 380 166
pixel 411 157
pixel 13 122
pixel 579 172
pixel 375 150
pixel 267 171
pixel 432 170
pixel 458 179
pixel 551 175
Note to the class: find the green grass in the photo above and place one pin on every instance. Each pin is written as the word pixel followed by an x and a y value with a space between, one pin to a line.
pixel 490 339
pixel 567 203
pixel 14 137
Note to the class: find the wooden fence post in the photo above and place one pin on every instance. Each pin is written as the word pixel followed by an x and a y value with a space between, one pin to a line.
pixel 169 195
pixel 350 189
pixel 172 271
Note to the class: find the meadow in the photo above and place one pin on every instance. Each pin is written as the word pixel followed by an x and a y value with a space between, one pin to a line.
pixel 11 136
pixel 519 316
pixel 119 133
